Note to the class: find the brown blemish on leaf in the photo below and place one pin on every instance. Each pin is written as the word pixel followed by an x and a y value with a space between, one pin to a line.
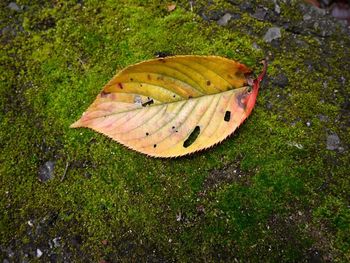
pixel 120 85
pixel 241 98
pixel 104 94
pixel 239 74
pixel 208 82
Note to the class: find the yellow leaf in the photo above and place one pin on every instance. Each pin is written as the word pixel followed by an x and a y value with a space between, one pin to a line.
pixel 173 106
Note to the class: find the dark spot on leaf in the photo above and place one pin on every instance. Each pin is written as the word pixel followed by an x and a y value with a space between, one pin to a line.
pixel 104 94
pixel 140 85
pixel 131 79
pixel 120 85
pixel 149 102
pixel 193 136
pixel 173 127
pixel 149 77
pixel 239 74
pixel 190 97
pixel 229 76
pixel 147 133
pixel 174 96
pixel 227 116
pixel 154 146
pixel 208 82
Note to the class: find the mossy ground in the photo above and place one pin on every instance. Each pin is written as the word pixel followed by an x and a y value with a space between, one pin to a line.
pixel 281 196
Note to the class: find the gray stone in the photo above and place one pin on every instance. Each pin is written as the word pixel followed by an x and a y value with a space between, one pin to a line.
pixel 13 6
pixel 39 253
pixel 277 9
pixel 224 19
pixel 46 171
pixel 213 15
pixel 56 242
pixel 333 142
pixel 246 6
pixel 260 14
pixel 272 34
pixel 306 17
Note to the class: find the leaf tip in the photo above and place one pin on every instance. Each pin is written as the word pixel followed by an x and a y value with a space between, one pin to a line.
pixel 76 124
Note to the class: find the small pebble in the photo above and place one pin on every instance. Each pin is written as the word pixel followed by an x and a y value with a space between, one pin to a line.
pixel 224 19
pixel 39 253
pixel 13 6
pixel 56 242
pixel 333 142
pixel 277 9
pixel 272 34
pixel 260 14
pixel 46 171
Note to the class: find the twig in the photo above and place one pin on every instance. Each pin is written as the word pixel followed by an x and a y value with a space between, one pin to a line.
pixel 191 5
pixel 65 171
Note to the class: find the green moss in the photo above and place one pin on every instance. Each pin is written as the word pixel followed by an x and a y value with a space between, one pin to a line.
pixel 289 186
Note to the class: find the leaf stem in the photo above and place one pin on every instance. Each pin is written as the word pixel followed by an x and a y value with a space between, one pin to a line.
pixel 263 73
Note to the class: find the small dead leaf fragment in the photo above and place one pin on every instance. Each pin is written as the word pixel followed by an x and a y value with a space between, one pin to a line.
pixel 173 106
pixel 171 7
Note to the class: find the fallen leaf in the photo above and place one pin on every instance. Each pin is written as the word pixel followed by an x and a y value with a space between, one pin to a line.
pixel 171 7
pixel 173 106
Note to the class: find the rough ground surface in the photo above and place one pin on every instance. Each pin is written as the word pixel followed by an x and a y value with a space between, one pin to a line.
pixel 277 191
